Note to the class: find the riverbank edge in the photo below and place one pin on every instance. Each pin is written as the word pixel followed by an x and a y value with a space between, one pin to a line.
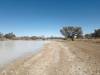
pixel 23 58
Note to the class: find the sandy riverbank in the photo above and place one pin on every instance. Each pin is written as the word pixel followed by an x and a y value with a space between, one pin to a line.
pixel 58 58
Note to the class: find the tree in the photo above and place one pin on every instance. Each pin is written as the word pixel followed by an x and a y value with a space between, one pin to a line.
pixel 97 33
pixel 1 35
pixel 10 35
pixel 79 32
pixel 88 36
pixel 71 32
pixel 34 37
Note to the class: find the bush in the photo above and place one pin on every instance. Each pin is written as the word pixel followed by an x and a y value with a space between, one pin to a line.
pixel 10 35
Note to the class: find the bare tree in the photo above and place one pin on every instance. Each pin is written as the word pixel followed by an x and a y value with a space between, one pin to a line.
pixel 71 32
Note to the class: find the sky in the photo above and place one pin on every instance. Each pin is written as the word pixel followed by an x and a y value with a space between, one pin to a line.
pixel 47 17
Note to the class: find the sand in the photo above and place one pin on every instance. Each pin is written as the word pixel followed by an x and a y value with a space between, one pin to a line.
pixel 59 58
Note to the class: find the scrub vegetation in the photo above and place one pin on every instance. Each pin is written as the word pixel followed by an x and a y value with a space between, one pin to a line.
pixel 69 32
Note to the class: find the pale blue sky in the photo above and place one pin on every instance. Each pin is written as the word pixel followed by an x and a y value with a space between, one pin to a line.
pixel 46 17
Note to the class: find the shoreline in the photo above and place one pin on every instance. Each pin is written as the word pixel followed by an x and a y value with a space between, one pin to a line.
pixel 24 56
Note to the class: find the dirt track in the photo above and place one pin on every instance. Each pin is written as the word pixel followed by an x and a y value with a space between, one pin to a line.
pixel 59 58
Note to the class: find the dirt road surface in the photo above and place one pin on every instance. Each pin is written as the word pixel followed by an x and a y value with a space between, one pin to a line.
pixel 59 58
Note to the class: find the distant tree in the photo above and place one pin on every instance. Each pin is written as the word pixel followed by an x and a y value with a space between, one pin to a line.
pixel 34 37
pixel 10 35
pixel 92 35
pixel 1 35
pixel 88 36
pixel 25 38
pixel 71 32
pixel 97 33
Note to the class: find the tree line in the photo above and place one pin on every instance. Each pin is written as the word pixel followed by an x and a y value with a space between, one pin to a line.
pixel 95 34
pixel 69 32
pixel 12 36
pixel 7 36
pixel 77 32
